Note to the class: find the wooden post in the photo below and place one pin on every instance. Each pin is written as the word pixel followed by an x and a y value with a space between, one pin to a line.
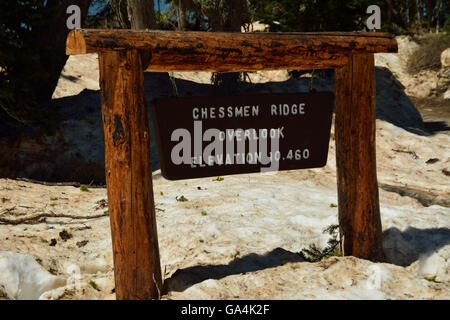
pixel 129 176
pixel 359 212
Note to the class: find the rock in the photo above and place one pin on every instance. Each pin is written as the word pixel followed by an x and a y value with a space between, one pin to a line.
pixel 445 58
pixel 421 91
pixel 21 277
pixel 444 77
pixel 422 84
pixel 393 105
pixel 406 45
pixel 443 83
pixel 447 95
pixel 390 61
pixel 257 26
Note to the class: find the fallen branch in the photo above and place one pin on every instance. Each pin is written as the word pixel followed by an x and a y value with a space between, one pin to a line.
pixel 59 184
pixel 425 197
pixel 34 218
pixel 414 155
pixel 8 210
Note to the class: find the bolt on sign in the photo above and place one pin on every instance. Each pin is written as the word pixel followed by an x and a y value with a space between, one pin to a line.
pixel 211 136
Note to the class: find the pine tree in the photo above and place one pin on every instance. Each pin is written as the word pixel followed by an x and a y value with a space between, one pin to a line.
pixel 33 41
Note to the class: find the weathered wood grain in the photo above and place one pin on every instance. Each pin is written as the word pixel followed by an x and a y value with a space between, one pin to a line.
pixel 129 176
pixel 221 51
pixel 359 212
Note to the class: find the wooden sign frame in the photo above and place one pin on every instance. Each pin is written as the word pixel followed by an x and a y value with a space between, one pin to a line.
pixel 127 138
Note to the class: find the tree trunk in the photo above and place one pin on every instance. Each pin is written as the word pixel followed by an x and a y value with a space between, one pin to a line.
pixel 229 82
pixel 415 17
pixel 134 14
pixel 429 6
pixel 436 12
pixel 141 14
pixel 183 24
pixel 392 13
pixel 406 18
pixel 120 10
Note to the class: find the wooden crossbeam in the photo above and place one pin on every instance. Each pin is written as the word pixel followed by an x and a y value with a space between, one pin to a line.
pixel 224 51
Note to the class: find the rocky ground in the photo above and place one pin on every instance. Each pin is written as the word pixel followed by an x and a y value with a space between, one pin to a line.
pixel 239 238
pixel 429 90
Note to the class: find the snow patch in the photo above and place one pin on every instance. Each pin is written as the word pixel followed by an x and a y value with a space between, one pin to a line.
pixel 21 277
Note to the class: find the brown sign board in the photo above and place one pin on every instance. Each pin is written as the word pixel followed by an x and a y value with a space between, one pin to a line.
pixel 216 136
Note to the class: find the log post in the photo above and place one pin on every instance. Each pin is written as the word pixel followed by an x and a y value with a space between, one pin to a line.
pixel 359 211
pixel 129 176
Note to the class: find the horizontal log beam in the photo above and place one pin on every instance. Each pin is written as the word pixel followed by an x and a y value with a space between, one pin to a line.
pixel 221 51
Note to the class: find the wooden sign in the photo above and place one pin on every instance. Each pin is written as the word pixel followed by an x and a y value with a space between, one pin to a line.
pixel 137 268
pixel 217 136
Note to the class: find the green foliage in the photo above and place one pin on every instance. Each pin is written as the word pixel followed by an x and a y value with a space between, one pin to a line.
pixel 397 16
pixel 311 15
pixel 166 20
pixel 181 199
pixel 94 285
pixel 24 80
pixel 428 55
pixel 315 254
pixel 84 188
pixel 431 279
pixel 446 27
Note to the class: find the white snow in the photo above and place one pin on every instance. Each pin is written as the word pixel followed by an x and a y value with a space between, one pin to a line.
pixel 246 245
pixel 21 277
